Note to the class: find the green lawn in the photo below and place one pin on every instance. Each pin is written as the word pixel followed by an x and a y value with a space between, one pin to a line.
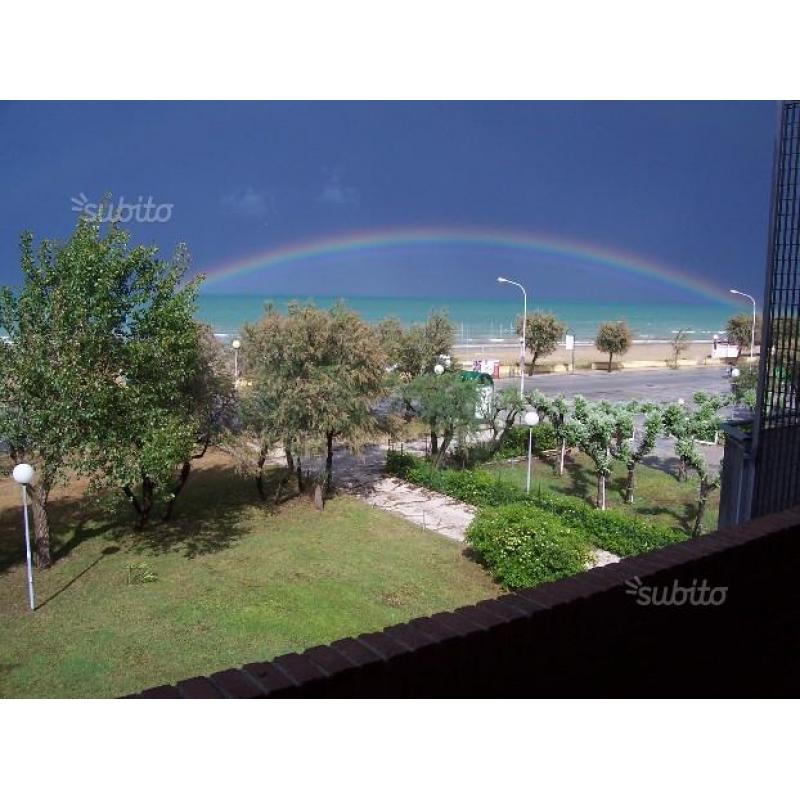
pixel 237 581
pixel 659 496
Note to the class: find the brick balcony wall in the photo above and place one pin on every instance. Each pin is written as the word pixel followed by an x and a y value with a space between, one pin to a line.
pixel 585 636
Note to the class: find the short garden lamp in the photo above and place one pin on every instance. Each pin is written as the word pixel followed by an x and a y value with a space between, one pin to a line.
pixel 438 369
pixel 236 344
pixel 735 372
pixel 531 419
pixel 23 475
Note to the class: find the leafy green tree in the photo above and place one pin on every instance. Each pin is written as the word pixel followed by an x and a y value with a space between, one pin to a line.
pixel 630 454
pixel 503 411
pixel 415 350
pixel 555 410
pixel 744 387
pixel 688 426
pixel 446 404
pixel 319 373
pixel 209 402
pixel 153 423
pixel 592 429
pixel 614 338
pixel 709 482
pixel 543 332
pixel 739 329
pixel 94 323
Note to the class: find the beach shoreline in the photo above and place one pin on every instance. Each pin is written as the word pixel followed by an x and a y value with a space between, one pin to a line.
pixel 640 353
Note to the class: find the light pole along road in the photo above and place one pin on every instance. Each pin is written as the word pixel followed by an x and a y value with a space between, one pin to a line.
pixel 753 329
pixel 522 337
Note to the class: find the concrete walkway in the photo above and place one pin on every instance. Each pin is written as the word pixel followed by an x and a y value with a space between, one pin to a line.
pixel 362 475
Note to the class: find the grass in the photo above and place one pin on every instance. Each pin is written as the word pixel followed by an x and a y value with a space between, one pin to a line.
pixel 237 581
pixel 659 497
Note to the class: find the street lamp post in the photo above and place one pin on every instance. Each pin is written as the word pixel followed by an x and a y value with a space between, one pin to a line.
pixel 23 475
pixel 236 344
pixel 522 337
pixel 531 419
pixel 753 329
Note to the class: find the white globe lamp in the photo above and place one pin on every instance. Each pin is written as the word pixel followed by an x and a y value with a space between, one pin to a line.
pixel 438 369
pixel 23 474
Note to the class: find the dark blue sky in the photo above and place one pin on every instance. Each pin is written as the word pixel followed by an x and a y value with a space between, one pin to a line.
pixel 684 184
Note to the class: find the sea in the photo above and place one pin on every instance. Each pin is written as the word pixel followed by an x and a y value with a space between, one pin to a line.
pixel 488 321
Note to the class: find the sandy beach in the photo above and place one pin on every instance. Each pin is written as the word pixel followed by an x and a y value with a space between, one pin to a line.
pixel 640 354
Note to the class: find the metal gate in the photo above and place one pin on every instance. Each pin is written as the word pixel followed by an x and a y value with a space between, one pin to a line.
pixel 776 427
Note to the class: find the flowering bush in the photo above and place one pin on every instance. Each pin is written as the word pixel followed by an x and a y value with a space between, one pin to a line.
pixel 522 545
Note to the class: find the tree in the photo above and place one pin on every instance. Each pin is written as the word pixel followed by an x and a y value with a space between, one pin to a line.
pixel 164 403
pixel 210 402
pixel 739 329
pixel 319 373
pixel 614 338
pixel 591 428
pixel 679 345
pixel 506 405
pixel 629 454
pixel 90 325
pixel 708 482
pixel 688 426
pixel 446 404
pixel 415 350
pixel 543 332
pixel 555 411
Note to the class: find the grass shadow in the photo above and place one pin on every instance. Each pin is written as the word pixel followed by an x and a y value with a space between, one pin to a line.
pixel 207 518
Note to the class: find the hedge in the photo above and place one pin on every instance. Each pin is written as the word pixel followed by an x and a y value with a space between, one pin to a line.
pixel 522 545
pixel 610 530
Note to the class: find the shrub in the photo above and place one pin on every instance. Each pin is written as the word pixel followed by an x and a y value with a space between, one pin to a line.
pixel 516 441
pixel 610 530
pixel 522 545
pixel 399 464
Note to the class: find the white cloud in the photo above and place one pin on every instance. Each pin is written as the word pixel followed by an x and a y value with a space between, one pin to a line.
pixel 250 203
pixel 336 193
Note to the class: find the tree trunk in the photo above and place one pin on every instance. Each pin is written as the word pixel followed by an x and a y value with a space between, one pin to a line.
pixel 260 475
pixel 610 356
pixel 146 505
pixel 434 443
pixel 299 471
pixel 561 460
pixel 41 524
pixel 289 459
pixel 631 484
pixel 184 476
pixel 329 463
pixel 446 439
pixel 701 508
pixel 601 492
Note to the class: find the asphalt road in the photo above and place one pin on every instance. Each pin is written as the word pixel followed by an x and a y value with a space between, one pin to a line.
pixel 662 385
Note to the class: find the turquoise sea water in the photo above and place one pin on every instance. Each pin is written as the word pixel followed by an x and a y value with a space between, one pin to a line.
pixel 486 320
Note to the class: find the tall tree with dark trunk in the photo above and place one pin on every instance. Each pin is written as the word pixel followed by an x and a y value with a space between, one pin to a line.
pixel 446 404
pixel 210 403
pixel 542 332
pixel 316 375
pixel 90 325
pixel 614 338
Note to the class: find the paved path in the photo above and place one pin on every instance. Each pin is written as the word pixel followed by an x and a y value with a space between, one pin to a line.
pixel 361 474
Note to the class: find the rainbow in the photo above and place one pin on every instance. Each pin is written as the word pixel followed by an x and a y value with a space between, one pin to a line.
pixel 536 245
